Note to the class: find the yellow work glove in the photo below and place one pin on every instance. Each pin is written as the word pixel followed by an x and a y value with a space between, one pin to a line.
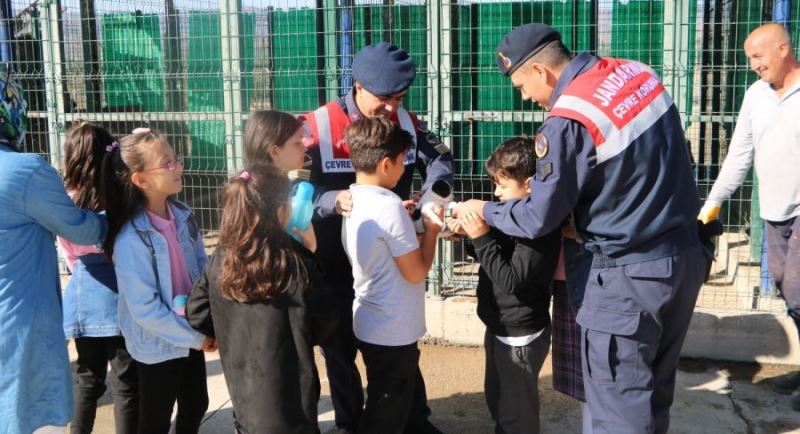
pixel 709 212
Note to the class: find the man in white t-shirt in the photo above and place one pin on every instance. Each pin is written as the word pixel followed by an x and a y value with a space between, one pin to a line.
pixel 768 134
pixel 389 269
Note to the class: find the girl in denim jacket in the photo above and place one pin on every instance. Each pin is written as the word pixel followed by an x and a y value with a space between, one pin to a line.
pixel 90 299
pixel 158 254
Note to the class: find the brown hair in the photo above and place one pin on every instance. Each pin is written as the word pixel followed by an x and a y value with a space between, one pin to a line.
pixel 373 139
pixel 513 159
pixel 84 149
pixel 260 260
pixel 121 197
pixel 266 128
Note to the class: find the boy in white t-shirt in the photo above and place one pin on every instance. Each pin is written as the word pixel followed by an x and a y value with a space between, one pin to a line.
pixel 389 270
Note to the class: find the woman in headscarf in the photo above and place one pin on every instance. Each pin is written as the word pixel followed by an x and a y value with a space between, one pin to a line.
pixel 35 382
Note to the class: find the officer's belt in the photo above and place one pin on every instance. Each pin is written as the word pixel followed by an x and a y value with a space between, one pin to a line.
pixel 602 261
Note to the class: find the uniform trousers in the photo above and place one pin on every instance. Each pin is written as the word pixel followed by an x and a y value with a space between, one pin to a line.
pixel 634 319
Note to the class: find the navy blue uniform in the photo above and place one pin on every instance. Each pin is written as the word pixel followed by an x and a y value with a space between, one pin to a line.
pixel 330 174
pixel 613 152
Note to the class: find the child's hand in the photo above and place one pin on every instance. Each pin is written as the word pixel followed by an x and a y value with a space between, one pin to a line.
pixel 430 225
pixel 209 345
pixel 344 203
pixel 455 226
pixel 473 225
pixel 308 236
pixel 409 205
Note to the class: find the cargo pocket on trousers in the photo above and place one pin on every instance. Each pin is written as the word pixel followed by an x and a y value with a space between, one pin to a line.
pixel 612 355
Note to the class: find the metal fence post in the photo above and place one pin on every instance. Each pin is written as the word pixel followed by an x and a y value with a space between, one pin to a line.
pixel 230 16
pixel 53 70
pixel 329 26
pixel 676 55
pixel 439 102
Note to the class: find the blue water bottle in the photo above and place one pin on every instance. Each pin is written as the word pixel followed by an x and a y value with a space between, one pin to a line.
pixel 302 208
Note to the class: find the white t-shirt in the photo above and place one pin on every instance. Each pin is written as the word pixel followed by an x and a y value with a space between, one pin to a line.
pixel 387 310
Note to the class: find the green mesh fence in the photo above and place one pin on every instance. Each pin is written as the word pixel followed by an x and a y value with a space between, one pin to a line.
pixel 132 62
pixel 194 69
pixel 296 73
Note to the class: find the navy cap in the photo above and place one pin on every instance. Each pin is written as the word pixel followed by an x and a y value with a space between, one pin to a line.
pixel 521 44
pixel 383 69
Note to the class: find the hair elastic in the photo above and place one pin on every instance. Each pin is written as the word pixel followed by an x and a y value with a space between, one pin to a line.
pixel 112 146
pixel 245 175
pixel 140 130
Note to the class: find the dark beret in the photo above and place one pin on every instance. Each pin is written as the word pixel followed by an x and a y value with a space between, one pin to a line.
pixel 383 69
pixel 521 44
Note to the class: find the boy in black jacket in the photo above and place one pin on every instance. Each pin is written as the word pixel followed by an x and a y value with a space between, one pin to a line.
pixel 513 295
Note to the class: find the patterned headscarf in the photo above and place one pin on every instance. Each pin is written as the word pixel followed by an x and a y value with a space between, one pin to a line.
pixel 13 110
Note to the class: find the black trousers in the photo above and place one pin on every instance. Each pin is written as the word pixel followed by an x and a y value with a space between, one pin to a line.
pixel 94 356
pixel 161 384
pixel 339 350
pixel 391 384
pixel 511 383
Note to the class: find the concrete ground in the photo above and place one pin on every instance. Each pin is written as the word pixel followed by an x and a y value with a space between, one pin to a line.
pixel 711 397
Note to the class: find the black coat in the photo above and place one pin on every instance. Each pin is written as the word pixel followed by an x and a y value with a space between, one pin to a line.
pixel 267 348
pixel 514 281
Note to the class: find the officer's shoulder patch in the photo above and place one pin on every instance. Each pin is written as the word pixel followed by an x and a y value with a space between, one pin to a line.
pixel 540 145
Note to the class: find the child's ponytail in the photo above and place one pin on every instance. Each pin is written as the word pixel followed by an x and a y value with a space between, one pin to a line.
pixel 260 260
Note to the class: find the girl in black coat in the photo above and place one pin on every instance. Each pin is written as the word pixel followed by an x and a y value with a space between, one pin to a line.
pixel 261 296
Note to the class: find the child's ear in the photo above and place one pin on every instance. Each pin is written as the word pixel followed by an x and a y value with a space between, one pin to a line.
pixel 273 152
pixel 138 180
pixel 528 184
pixel 384 165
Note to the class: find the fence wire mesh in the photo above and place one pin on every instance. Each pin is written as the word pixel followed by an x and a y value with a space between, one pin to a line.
pixel 194 69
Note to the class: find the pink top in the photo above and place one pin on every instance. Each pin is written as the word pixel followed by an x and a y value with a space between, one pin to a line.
pixel 181 283
pixel 560 273
pixel 73 251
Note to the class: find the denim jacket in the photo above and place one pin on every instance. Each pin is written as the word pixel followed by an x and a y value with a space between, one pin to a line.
pixel 153 332
pixel 90 299
pixel 35 382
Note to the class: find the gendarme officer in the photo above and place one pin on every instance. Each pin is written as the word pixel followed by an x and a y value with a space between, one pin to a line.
pixel 382 74
pixel 613 152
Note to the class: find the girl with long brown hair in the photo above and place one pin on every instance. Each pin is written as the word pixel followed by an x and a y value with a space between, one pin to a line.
pixel 263 299
pixel 90 298
pixel 274 137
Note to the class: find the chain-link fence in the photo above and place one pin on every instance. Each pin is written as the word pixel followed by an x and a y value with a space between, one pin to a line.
pixel 194 69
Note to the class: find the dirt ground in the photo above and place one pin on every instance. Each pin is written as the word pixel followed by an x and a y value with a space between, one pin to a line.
pixel 711 397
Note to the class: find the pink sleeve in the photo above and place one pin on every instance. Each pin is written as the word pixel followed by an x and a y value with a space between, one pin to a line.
pixel 73 251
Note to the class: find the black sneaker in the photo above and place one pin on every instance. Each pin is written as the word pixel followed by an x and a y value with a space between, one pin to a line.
pixel 786 384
